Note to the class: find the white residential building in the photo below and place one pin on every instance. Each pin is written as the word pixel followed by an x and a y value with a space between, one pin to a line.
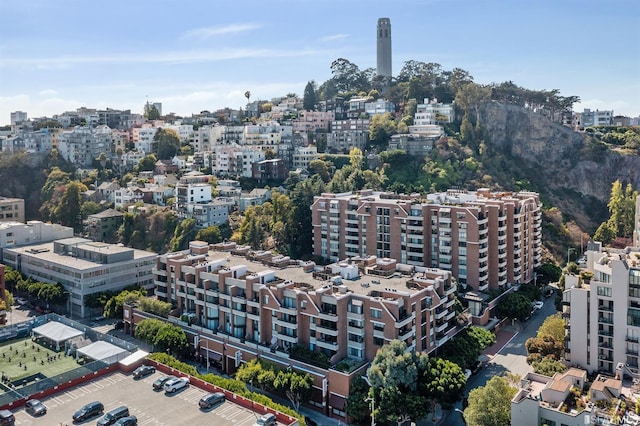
pixel 433 112
pixel 83 144
pixel 602 313
pixel 143 137
pixel 36 142
pixel 18 117
pixel 379 106
pixel 13 234
pixel 636 227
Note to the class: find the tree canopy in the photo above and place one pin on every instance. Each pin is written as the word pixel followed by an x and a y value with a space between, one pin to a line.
pixel 166 143
pixel 490 405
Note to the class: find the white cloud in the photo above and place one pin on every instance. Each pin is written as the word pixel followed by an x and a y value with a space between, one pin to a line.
pixel 35 108
pixel 48 92
pixel 333 37
pixel 169 57
pixel 208 32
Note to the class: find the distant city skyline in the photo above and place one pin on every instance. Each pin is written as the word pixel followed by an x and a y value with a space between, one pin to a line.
pixel 193 56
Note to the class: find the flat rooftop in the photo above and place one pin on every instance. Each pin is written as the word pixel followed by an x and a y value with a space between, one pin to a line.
pixel 363 285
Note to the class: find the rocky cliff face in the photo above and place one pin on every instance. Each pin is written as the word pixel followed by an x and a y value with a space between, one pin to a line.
pixel 571 172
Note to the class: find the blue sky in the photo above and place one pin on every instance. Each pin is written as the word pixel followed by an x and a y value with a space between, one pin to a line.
pixel 196 55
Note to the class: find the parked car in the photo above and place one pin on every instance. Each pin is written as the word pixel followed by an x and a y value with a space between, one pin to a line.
pixel 143 370
pixel 92 409
pixel 127 421
pixel 309 421
pixel 176 384
pixel 160 381
pixel 21 301
pixel 537 305
pixel 7 418
pixel 267 420
pixel 35 407
pixel 211 399
pixel 113 416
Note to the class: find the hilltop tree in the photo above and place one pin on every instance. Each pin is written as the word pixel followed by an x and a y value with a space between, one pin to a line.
pixel 381 128
pixel 166 143
pixel 309 98
pixel 68 211
pixel 151 112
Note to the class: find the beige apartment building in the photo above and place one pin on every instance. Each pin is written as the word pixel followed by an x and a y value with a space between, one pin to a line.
pixel 240 304
pixel 11 209
pixel 486 239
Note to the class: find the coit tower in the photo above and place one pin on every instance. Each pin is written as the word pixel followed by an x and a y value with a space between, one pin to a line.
pixel 384 47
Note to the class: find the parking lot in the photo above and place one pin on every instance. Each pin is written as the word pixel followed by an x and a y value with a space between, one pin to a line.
pixel 149 406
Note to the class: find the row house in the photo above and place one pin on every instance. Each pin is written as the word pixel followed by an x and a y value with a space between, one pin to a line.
pixel 348 134
pixel 486 239
pixel 308 122
pixel 35 142
pixel 302 156
pixel 82 145
pixel 124 197
pixel 255 197
pixel 417 145
pixel 245 305
pixel 269 170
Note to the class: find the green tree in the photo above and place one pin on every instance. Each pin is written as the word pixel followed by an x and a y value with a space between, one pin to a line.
pixel 490 405
pixel 155 306
pixel 321 168
pixel 381 128
pixel 147 329
pixel 465 348
pixel 114 306
pixel 296 386
pixel 210 234
pixel 173 338
pixel 89 208
pixel 309 98
pixel 146 164
pixel 514 305
pixel 355 158
pixel 622 209
pixel 444 381
pixel 552 326
pixel 357 406
pixel 151 112
pixel 185 232
pixel 166 143
pixel 548 367
pixel 394 376
pixel 68 210
pixel 605 233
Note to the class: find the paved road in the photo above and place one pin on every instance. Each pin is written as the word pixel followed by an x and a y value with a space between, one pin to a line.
pixel 512 357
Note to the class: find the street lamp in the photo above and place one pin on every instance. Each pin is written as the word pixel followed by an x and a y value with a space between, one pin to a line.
pixel 461 413
pixel 373 409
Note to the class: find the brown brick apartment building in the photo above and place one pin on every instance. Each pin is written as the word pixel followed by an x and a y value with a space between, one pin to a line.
pixel 243 304
pixel 486 239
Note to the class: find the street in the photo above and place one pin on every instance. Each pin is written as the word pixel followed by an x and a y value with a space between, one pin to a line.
pixel 512 357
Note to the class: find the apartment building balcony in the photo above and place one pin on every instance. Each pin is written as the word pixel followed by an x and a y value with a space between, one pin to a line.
pixel 225 309
pixel 567 324
pixel 352 222
pixel 483 268
pixel 450 316
pixel 332 346
pixel 378 333
pixel 633 352
pixel 356 345
pixel 352 246
pixel 328 316
pixel 159 272
pixel 517 226
pixel 449 290
pixel 502 245
pixel 288 310
pixel 605 320
pixel 483 287
pixel 406 320
pixel 284 323
pixel 253 314
pixel 327 331
pixel 404 335
pixel 161 292
pixel 441 314
pixel 355 330
pixel 483 250
pixel 605 333
pixel 224 296
pixel 160 284
pixel 254 303
pixel 415 245
pixel 517 276
pixel 605 308
pixel 450 303
pixel 483 222
pixel 442 327
pixel 416 228
pixel 355 315
pixel 181 293
pixel 632 339
pixel 285 337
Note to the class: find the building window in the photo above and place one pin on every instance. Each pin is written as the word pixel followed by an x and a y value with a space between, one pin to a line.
pixel 378 341
pixel 604 291
pixel 376 313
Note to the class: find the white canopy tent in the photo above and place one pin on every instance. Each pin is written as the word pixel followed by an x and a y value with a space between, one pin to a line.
pixel 102 351
pixel 56 332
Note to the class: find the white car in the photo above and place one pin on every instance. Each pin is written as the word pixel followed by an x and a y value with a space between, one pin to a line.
pixel 175 385
pixel 537 305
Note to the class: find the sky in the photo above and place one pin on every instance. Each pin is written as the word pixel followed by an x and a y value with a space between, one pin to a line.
pixel 195 55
